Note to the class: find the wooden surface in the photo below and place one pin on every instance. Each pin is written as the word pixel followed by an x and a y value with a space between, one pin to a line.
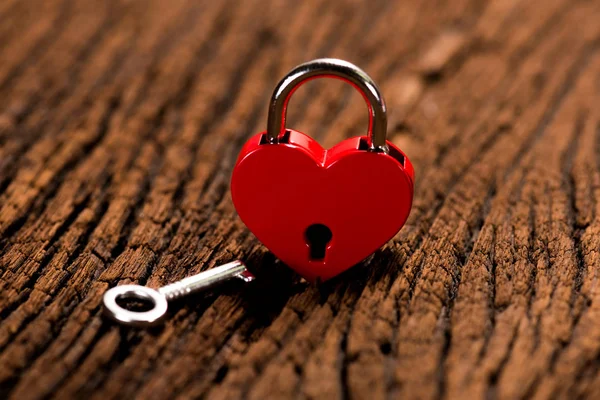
pixel 119 126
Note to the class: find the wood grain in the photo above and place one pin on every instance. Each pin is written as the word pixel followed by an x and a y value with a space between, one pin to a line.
pixel 120 122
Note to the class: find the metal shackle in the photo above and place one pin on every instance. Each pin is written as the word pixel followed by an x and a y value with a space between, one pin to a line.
pixel 334 68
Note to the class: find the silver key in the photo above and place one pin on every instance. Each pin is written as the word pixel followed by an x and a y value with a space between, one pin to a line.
pixel 160 297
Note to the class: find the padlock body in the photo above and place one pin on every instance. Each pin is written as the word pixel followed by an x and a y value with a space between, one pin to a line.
pixel 280 190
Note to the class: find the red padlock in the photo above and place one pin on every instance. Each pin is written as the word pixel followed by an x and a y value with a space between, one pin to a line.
pixel 323 211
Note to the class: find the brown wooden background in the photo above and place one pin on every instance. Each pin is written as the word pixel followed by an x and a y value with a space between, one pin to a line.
pixel 120 122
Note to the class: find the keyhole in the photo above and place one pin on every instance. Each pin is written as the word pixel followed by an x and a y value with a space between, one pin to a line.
pixel 317 237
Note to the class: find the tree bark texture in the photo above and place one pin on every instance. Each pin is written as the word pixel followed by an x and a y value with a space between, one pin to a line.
pixel 120 123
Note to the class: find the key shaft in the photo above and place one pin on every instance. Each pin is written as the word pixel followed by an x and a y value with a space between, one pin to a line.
pixel 206 279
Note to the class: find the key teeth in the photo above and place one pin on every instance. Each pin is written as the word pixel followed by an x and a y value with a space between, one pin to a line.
pixel 246 276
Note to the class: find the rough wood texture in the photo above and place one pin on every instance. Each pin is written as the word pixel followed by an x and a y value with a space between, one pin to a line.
pixel 119 126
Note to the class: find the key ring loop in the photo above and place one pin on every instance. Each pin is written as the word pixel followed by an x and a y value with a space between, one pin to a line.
pixel 113 310
pixel 334 68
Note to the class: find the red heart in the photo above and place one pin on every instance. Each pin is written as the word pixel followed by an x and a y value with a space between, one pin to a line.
pixel 363 197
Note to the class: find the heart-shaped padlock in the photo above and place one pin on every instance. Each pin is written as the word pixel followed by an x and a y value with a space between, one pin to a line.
pixel 322 211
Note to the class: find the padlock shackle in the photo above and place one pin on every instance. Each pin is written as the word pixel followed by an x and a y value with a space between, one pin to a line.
pixel 331 68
